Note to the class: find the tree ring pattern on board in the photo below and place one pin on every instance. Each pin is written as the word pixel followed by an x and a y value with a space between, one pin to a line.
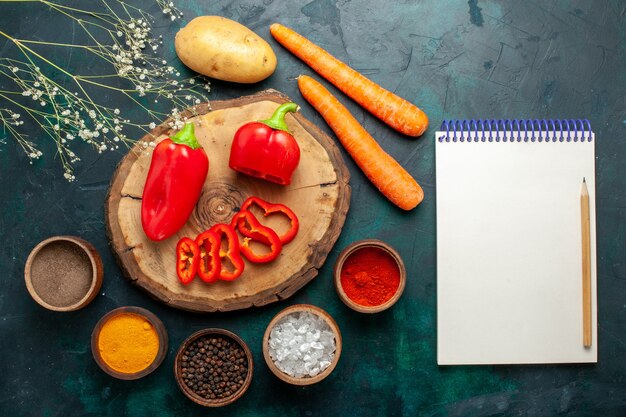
pixel 217 204
pixel 321 199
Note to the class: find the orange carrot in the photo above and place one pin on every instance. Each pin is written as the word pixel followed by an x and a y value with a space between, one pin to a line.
pixel 398 113
pixel 385 172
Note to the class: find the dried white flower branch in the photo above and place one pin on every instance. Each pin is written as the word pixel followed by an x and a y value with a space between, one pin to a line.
pixel 120 38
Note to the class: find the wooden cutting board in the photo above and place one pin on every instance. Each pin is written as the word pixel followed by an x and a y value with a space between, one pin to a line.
pixel 319 195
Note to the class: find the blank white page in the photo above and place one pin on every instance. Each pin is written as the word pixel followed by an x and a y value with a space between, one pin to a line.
pixel 509 252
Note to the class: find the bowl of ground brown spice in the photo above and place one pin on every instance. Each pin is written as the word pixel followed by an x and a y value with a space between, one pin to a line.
pixel 213 367
pixel 129 343
pixel 63 273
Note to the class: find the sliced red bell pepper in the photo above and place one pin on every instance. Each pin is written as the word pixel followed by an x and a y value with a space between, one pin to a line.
pixel 244 221
pixel 210 263
pixel 227 233
pixel 270 208
pixel 187 260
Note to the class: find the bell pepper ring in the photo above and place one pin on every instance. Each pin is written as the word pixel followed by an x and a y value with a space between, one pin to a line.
pixel 245 222
pixel 269 209
pixel 266 149
pixel 187 260
pixel 227 233
pixel 209 265
pixel 177 172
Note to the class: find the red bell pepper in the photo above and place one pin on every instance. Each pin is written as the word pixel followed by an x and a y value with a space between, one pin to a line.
pixel 225 231
pixel 210 264
pixel 269 209
pixel 187 260
pixel 177 172
pixel 250 227
pixel 265 149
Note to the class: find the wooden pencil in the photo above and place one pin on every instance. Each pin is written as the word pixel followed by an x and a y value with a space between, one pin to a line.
pixel 586 264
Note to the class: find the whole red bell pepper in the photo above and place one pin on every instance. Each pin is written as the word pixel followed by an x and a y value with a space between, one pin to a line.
pixel 177 172
pixel 187 260
pixel 269 209
pixel 245 222
pixel 225 231
pixel 265 149
pixel 210 263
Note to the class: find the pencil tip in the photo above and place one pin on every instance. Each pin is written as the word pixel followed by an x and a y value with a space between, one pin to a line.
pixel 584 179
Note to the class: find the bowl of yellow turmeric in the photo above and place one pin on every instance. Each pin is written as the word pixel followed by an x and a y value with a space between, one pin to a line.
pixel 129 342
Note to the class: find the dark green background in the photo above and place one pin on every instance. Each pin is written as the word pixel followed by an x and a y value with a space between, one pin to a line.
pixel 455 59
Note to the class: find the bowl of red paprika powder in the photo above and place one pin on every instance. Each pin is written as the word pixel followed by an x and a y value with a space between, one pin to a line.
pixel 369 276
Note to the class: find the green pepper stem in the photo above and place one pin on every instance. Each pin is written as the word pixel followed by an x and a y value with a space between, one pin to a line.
pixel 186 136
pixel 277 121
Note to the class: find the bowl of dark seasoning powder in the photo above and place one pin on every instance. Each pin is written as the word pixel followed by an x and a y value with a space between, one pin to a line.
pixel 63 273
pixel 213 367
pixel 302 344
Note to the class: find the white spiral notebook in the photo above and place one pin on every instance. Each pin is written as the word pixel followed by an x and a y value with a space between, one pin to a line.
pixel 509 251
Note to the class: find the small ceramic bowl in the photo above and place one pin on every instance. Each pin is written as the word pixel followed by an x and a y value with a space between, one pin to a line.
pixel 201 400
pixel 157 325
pixel 333 327
pixel 351 249
pixel 45 253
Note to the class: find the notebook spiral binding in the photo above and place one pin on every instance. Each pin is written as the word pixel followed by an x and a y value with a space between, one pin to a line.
pixel 516 130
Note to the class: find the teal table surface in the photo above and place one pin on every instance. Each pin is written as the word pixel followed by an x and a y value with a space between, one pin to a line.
pixel 455 59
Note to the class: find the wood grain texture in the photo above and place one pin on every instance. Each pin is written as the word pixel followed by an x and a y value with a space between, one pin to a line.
pixel 319 194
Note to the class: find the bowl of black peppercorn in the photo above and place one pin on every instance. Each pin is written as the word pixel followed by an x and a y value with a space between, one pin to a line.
pixel 213 367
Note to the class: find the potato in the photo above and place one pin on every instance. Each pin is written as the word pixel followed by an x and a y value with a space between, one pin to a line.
pixel 224 49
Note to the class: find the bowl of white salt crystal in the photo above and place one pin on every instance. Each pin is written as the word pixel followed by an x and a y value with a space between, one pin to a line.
pixel 302 344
